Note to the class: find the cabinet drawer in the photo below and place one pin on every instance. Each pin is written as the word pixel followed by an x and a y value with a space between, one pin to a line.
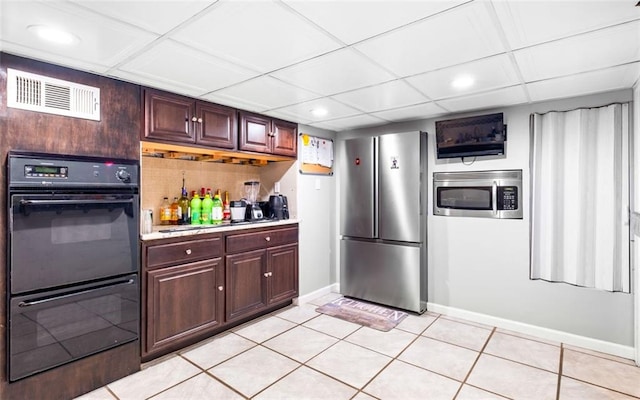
pixel 183 251
pixel 259 240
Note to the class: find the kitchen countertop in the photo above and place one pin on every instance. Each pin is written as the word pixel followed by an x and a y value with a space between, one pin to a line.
pixel 171 231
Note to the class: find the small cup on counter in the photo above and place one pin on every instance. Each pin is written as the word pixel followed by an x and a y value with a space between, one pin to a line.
pixel 146 221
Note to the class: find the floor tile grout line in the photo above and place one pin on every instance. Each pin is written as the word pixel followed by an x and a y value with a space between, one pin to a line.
pixel 560 365
pixel 484 346
pixel 393 358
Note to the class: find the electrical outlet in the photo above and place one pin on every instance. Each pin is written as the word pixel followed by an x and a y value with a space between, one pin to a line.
pixel 276 187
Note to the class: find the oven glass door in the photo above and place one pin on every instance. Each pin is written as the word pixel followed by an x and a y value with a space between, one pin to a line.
pixel 465 197
pixel 53 328
pixel 60 239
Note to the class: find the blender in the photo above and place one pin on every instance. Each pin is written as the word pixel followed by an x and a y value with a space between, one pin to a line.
pixel 251 190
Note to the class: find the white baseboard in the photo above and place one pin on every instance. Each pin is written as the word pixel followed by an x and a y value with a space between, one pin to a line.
pixel 334 288
pixel 544 333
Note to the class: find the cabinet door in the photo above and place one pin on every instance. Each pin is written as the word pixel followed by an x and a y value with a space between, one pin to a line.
pixel 282 269
pixel 255 132
pixel 285 138
pixel 217 126
pixel 183 301
pixel 168 117
pixel 246 284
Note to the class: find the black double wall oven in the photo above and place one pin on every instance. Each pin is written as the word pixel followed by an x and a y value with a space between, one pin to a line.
pixel 73 259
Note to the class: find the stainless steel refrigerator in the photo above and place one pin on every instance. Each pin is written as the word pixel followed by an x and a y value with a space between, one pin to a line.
pixel 383 220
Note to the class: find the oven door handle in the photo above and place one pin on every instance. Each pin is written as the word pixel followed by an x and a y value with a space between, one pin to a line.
pixel 54 298
pixel 72 202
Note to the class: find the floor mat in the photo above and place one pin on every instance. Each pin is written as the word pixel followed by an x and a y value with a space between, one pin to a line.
pixel 367 314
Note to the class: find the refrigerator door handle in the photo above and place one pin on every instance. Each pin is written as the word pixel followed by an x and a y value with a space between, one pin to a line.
pixel 376 184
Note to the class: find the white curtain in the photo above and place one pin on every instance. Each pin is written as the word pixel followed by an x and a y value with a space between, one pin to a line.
pixel 580 197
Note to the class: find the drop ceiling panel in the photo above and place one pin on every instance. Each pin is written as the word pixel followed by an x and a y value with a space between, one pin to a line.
pixel 257 34
pixel 388 95
pixel 158 17
pixel 183 67
pixel 497 98
pixel 263 93
pixel 303 110
pixel 488 73
pixel 587 52
pixel 420 111
pixel 373 17
pixel 589 82
pixel 336 72
pixel 456 36
pixel 102 41
pixel 531 22
pixel 357 121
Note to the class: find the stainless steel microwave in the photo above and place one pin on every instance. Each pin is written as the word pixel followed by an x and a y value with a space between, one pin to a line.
pixel 485 194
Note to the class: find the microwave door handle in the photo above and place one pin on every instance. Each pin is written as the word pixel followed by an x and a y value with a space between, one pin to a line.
pixel 494 197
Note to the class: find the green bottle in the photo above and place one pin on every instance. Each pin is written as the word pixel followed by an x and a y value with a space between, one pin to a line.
pixel 207 203
pixel 217 210
pixel 195 209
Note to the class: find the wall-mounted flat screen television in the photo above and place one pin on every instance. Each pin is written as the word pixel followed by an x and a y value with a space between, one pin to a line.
pixel 482 135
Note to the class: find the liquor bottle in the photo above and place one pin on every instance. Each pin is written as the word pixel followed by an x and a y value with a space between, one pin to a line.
pixel 175 212
pixel 196 203
pixel 226 209
pixel 185 214
pixel 205 214
pixel 165 212
pixel 216 210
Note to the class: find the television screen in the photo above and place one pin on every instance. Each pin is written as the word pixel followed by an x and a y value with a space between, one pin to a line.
pixel 482 135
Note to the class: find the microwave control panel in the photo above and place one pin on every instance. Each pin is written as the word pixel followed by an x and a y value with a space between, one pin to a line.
pixel 507 198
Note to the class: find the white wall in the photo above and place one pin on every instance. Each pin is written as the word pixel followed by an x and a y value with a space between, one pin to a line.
pixel 317 214
pixel 482 265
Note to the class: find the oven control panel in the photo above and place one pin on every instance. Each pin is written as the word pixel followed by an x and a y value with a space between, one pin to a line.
pixel 45 171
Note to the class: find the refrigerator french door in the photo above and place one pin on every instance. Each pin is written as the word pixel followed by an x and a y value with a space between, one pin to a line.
pixel 383 220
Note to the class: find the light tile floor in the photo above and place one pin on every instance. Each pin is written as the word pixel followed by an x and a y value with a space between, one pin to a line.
pixel 296 353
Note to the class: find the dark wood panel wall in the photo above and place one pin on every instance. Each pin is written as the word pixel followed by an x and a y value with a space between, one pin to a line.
pixel 115 135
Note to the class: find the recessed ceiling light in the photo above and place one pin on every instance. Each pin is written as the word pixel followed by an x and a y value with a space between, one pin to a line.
pixel 463 82
pixel 53 35
pixel 319 112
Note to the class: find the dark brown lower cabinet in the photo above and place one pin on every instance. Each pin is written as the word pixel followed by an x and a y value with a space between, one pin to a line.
pixel 197 286
pixel 247 284
pixel 183 301
pixel 282 267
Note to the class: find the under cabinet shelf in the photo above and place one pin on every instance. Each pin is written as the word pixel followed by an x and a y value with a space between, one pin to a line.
pixel 173 151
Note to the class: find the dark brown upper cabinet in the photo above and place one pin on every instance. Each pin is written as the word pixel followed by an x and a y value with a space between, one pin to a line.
pixel 267 135
pixel 172 118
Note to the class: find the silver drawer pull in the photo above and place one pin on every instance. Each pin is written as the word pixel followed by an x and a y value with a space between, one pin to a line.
pixel 220 288
pixel 188 251
pixel 266 274
pixel 268 239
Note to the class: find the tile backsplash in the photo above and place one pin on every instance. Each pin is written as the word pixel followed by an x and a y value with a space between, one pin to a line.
pixel 162 177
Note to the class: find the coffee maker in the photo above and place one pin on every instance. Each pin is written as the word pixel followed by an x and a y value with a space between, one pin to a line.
pixel 278 207
pixel 251 190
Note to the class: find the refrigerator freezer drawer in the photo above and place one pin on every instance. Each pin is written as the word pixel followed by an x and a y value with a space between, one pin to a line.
pixel 390 274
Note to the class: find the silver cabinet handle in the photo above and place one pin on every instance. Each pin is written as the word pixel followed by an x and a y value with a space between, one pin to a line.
pixel 266 274
pixel 188 251
pixel 199 120
pixel 220 288
pixel 270 273
pixel 268 239
pixel 194 119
